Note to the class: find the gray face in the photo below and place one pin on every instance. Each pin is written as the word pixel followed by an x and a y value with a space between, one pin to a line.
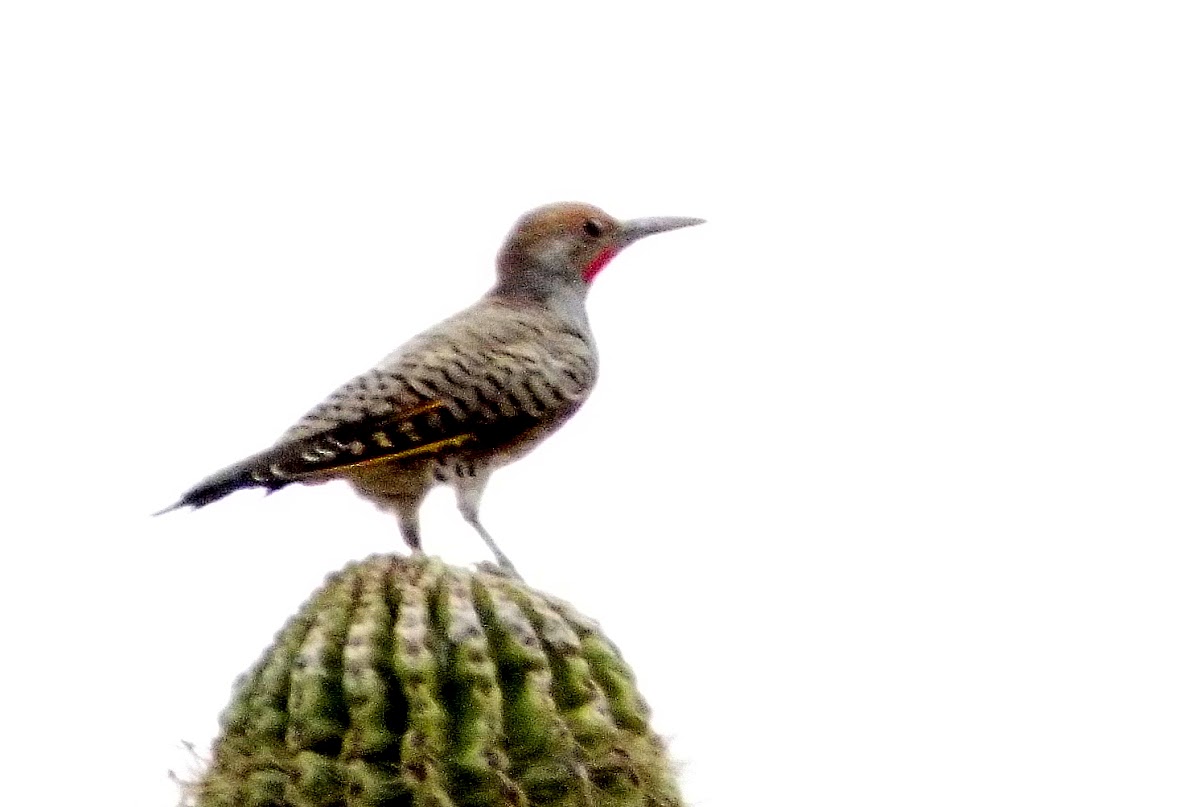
pixel 565 245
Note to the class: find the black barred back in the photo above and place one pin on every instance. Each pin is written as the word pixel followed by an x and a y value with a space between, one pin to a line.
pixel 479 389
pixel 477 382
pixel 424 431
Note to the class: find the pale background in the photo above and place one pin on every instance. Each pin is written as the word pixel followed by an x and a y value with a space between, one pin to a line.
pixel 889 489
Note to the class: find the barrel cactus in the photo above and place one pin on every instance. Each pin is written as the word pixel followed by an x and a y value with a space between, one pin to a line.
pixel 405 681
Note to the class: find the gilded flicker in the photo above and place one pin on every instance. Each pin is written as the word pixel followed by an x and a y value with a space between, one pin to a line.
pixel 474 392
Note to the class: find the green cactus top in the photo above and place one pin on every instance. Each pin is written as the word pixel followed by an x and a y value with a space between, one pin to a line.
pixel 404 681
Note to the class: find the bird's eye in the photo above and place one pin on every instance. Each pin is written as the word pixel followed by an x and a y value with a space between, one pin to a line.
pixel 592 228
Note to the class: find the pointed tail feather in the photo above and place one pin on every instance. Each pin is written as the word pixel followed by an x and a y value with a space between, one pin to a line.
pixel 419 432
pixel 222 483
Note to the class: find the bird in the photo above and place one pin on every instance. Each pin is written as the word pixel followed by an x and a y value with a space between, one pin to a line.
pixel 474 392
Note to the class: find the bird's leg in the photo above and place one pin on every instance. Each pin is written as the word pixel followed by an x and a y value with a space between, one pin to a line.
pixel 398 491
pixel 506 565
pixel 470 491
pixel 411 530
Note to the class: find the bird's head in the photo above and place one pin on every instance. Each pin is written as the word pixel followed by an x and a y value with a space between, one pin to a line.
pixel 566 244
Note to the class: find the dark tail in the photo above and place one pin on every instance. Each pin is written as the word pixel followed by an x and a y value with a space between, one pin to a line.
pixel 222 483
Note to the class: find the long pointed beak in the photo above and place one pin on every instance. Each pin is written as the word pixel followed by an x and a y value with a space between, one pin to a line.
pixel 633 229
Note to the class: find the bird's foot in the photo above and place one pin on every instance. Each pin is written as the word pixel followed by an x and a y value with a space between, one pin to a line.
pixel 500 569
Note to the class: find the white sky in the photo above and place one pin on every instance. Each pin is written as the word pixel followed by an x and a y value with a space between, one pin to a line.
pixel 889 488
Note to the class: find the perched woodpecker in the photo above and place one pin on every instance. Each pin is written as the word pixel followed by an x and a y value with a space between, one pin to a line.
pixel 474 392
